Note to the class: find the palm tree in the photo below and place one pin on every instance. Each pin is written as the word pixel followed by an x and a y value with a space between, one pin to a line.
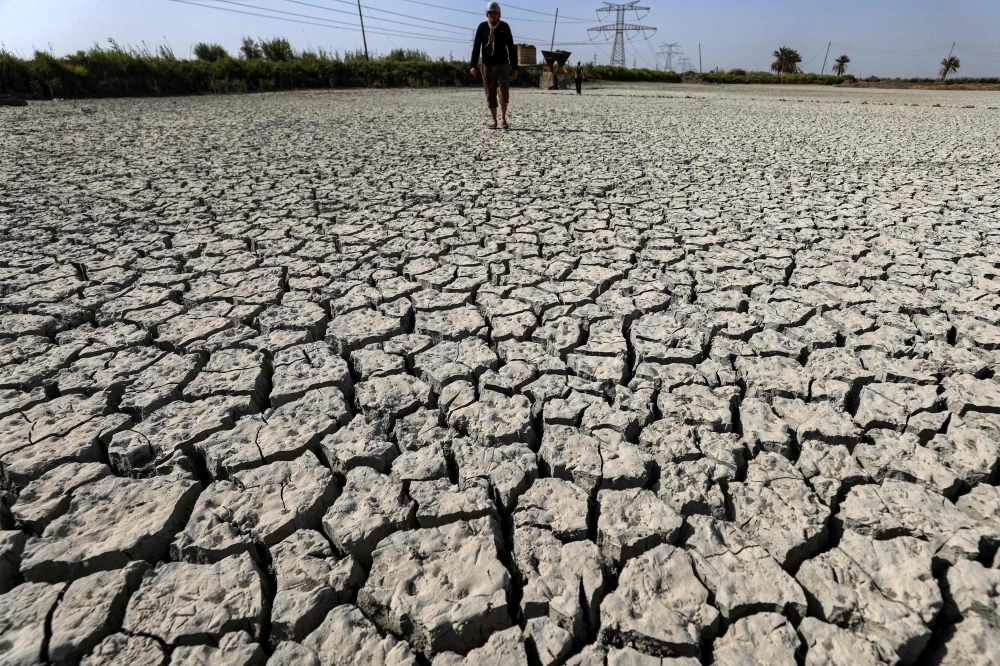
pixel 840 65
pixel 786 61
pixel 948 65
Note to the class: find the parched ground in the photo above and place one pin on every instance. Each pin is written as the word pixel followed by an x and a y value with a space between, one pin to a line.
pixel 705 375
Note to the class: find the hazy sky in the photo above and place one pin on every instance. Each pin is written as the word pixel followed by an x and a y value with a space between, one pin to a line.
pixel 882 37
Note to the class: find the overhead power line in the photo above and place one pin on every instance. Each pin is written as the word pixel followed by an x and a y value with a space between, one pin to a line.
pixel 337 11
pixel 985 55
pixel 373 9
pixel 325 23
pixel 806 62
pixel 380 28
pixel 892 54
pixel 480 14
pixel 320 18
pixel 451 36
pixel 452 9
pixel 462 29
pixel 535 11
pixel 971 54
pixel 656 59
pixel 969 48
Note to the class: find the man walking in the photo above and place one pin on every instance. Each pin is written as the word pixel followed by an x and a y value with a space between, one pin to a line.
pixel 495 43
pixel 580 77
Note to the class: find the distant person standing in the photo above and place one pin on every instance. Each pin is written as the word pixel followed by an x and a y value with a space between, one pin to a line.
pixel 580 78
pixel 495 43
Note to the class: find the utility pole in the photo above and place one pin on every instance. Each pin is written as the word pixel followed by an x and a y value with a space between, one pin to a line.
pixel 952 50
pixel 363 38
pixel 700 70
pixel 620 28
pixel 822 71
pixel 553 45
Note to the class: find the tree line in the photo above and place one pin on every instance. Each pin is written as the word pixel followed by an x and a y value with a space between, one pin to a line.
pixel 262 65
pixel 786 61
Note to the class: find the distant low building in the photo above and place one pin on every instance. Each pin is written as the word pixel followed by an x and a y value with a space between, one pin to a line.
pixel 526 54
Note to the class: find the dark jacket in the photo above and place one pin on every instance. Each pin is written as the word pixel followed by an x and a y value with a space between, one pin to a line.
pixel 503 48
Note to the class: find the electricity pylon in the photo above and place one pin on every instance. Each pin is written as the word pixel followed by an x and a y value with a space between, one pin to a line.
pixel 668 52
pixel 620 27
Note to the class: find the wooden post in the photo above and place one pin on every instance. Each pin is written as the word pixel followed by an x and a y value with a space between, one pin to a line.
pixel 552 46
pixel 952 50
pixel 363 38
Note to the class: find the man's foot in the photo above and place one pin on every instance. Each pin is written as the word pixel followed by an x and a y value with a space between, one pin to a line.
pixel 493 125
pixel 505 125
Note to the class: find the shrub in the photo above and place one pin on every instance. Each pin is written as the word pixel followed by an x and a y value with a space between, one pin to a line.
pixel 250 50
pixel 736 71
pixel 116 71
pixel 209 52
pixel 407 55
pixel 277 49
pixel 608 73
pixel 768 77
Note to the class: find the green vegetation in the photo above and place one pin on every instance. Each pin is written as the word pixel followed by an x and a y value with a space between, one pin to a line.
pixel 262 65
pixel 250 50
pixel 766 77
pixel 840 65
pixel 608 73
pixel 605 73
pixel 277 50
pixel 786 61
pixel 209 52
pixel 949 65
pixel 407 55
pixel 992 81
pixel 267 65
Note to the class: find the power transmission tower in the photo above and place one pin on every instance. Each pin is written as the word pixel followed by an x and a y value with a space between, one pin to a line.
pixel 668 52
pixel 620 27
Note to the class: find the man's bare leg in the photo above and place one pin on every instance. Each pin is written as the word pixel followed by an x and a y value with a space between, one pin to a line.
pixel 503 114
pixel 493 114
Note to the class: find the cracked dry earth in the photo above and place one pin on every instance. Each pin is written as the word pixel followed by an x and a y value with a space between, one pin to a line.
pixel 675 377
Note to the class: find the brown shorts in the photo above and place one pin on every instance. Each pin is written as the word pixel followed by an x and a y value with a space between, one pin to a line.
pixel 496 78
